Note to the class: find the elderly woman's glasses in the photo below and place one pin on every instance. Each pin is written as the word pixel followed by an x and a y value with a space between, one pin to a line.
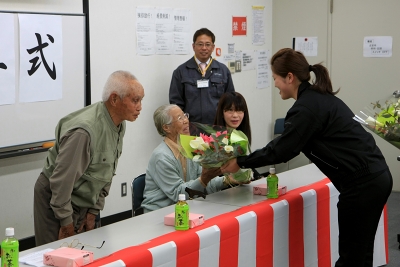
pixel 75 243
pixel 182 118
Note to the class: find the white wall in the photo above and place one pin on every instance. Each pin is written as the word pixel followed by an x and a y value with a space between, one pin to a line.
pixel 51 6
pixel 340 48
pixel 113 46
pixel 18 175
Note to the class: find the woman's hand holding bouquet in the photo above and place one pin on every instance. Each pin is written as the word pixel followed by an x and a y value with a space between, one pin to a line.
pixel 207 174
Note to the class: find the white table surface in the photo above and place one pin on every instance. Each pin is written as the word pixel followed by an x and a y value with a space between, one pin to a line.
pixel 133 231
pixel 243 195
pixel 139 229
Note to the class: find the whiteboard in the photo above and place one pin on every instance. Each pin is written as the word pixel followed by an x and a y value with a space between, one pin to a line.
pixel 32 123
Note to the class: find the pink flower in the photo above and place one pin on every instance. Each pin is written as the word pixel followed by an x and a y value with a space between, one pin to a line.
pixel 207 138
pixel 221 133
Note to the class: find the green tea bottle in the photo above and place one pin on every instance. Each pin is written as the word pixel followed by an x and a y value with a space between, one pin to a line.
pixel 182 213
pixel 9 250
pixel 272 184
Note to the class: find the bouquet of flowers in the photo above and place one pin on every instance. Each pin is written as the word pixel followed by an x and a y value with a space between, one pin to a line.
pixel 213 146
pixel 383 118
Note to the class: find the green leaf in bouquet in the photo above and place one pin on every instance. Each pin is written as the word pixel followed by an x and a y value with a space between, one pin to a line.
pixel 242 176
pixel 214 146
pixel 206 128
pixel 238 137
pixel 185 143
pixel 383 119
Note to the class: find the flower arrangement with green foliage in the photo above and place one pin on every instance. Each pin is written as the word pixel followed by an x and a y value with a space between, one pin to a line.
pixel 383 118
pixel 214 146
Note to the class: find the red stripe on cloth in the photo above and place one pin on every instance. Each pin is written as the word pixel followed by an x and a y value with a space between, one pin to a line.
pixel 296 230
pixel 265 235
pixel 188 252
pixel 229 242
pixel 323 226
pixel 296 227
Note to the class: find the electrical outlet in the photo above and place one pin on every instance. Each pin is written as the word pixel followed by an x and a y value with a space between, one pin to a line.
pixel 123 190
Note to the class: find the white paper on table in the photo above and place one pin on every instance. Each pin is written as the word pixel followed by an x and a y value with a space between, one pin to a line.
pixel 35 258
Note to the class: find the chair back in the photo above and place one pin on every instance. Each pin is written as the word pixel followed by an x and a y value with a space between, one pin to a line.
pixel 137 188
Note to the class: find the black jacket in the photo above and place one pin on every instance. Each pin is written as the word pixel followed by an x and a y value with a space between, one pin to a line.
pixel 322 127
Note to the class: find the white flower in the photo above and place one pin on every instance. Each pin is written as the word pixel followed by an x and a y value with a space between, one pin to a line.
pixel 372 122
pixel 196 158
pixel 228 149
pixel 197 143
pixel 225 141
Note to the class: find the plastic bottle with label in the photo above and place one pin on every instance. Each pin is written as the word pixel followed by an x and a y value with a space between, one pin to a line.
pixel 182 213
pixel 272 184
pixel 10 249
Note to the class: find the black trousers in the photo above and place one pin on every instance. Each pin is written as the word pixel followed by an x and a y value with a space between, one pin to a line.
pixel 359 210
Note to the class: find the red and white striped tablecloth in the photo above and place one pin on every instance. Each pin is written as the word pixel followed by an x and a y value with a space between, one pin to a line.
pixel 298 229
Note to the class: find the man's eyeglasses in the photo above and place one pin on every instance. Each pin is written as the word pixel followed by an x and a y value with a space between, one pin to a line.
pixel 75 243
pixel 231 111
pixel 200 45
pixel 181 118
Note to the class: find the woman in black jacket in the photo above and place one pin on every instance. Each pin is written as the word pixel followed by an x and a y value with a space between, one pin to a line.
pixel 322 127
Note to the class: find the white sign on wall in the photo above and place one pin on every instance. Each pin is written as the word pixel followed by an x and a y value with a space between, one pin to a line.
pixel 377 46
pixel 307 45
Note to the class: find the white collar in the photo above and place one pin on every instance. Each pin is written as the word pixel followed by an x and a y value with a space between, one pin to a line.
pixel 198 61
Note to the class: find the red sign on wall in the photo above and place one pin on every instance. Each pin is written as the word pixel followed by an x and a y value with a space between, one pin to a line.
pixel 239 25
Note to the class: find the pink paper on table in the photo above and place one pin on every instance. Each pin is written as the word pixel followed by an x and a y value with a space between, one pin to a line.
pixel 194 219
pixel 261 189
pixel 68 257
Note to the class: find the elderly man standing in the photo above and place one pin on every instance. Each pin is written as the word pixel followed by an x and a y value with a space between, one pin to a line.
pixel 78 171
pixel 198 84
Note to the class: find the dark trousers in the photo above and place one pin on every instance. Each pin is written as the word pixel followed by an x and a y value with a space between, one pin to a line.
pixel 359 210
pixel 47 226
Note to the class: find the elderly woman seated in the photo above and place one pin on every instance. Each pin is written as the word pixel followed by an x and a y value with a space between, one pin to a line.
pixel 168 172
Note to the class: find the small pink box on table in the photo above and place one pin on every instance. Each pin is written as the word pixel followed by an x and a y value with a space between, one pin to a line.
pixel 261 189
pixel 194 219
pixel 68 257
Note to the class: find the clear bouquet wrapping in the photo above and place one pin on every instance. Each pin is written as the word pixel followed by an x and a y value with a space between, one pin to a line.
pixel 383 118
pixel 212 146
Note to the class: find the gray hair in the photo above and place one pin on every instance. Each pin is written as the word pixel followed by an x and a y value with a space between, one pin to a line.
pixel 161 117
pixel 118 82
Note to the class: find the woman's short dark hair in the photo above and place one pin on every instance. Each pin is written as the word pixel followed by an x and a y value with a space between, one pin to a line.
pixel 234 100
